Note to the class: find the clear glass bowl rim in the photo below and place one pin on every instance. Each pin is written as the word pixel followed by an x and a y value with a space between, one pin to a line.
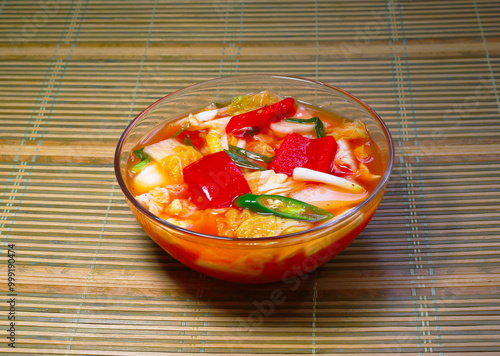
pixel 325 226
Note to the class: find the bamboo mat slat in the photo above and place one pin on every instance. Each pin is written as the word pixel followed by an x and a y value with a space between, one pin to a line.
pixel 422 279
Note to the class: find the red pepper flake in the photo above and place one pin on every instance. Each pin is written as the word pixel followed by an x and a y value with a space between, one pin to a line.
pixel 215 181
pixel 262 117
pixel 299 151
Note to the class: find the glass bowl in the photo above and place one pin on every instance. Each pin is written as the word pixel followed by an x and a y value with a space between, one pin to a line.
pixel 267 259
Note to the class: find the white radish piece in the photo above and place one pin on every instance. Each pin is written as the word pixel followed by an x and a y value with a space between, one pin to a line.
pixel 282 128
pixel 149 178
pixel 206 115
pixel 213 124
pixel 327 197
pixel 309 175
pixel 162 149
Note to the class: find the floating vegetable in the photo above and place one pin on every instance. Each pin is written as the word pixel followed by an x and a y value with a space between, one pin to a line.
pixel 261 117
pixel 304 174
pixel 242 162
pixel 140 154
pixel 162 149
pixel 148 178
pixel 145 159
pixel 140 166
pixel 250 154
pixel 299 151
pixel 249 102
pixel 318 124
pixel 215 181
pixel 190 138
pixel 178 132
pixel 283 207
pixel 283 128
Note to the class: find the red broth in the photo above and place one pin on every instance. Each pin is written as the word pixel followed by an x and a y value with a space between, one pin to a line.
pixel 165 193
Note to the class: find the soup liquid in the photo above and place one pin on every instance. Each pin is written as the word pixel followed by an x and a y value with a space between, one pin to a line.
pixel 224 221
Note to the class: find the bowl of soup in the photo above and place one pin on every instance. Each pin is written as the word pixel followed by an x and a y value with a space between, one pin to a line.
pixel 255 178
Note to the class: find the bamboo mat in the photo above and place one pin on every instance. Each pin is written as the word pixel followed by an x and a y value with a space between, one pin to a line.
pixel 422 279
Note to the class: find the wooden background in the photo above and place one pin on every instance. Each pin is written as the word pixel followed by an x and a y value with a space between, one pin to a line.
pixel 422 279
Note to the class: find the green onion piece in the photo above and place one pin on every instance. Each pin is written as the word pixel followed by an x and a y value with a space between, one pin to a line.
pixel 140 154
pixel 283 207
pixel 187 141
pixel 178 132
pixel 219 105
pixel 250 154
pixel 242 162
pixel 140 166
pixel 145 159
pixel 319 127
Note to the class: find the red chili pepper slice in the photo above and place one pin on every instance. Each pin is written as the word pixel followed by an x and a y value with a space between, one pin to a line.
pixel 215 181
pixel 194 138
pixel 263 116
pixel 299 151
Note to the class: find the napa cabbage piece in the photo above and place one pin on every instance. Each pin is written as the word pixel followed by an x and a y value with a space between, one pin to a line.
pixel 269 225
pixel 245 103
pixel 173 164
pixel 216 140
pixel 344 157
pixel 365 175
pixel 205 118
pixel 270 182
pixel 228 222
pixel 246 224
pixel 155 200
pixel 350 130
pixel 180 208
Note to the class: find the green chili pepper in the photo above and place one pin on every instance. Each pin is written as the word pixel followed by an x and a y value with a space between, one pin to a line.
pixel 250 154
pixel 319 127
pixel 283 207
pixel 242 162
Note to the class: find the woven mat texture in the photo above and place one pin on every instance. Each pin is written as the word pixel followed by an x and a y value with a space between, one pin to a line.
pixel 422 279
